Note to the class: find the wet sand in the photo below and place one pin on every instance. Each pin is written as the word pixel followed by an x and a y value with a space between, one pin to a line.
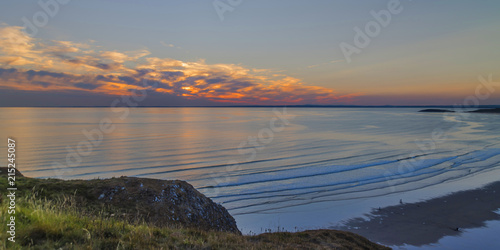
pixel 428 221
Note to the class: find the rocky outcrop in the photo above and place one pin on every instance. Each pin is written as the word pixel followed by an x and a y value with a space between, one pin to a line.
pixel 163 202
pixel 158 202
pixel 436 111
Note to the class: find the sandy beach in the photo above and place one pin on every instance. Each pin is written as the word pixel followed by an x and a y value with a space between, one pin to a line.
pixel 426 222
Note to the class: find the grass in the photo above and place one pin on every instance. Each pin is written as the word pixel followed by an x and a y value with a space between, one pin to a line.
pixel 54 224
pixel 50 216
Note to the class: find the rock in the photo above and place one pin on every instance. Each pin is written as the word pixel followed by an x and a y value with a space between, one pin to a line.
pixel 436 111
pixel 487 111
pixel 163 203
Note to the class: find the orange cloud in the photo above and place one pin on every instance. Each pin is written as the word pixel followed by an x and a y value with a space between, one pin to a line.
pixel 31 64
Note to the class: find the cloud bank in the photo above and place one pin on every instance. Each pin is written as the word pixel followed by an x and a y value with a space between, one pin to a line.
pixel 61 69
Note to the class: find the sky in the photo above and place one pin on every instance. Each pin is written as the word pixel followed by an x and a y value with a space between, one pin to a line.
pixel 249 52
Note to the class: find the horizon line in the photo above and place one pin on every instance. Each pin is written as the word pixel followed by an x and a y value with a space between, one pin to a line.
pixel 274 106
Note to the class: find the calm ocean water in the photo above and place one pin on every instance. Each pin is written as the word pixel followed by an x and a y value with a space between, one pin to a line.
pixel 266 172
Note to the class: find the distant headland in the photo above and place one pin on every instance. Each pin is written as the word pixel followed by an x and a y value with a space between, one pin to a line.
pixel 482 110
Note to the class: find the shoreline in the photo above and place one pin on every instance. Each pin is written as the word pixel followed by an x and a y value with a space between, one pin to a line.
pixel 426 222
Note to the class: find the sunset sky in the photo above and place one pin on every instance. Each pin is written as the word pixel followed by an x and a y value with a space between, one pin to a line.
pixel 263 52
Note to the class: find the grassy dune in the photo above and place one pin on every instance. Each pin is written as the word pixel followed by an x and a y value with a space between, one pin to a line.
pixel 50 218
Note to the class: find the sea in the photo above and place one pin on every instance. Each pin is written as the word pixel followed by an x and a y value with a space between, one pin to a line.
pixel 273 168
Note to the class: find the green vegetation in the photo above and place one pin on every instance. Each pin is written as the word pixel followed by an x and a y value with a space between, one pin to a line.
pixel 49 215
pixel 49 224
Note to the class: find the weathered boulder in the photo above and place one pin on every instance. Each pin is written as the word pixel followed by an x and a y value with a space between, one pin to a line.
pixel 163 202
